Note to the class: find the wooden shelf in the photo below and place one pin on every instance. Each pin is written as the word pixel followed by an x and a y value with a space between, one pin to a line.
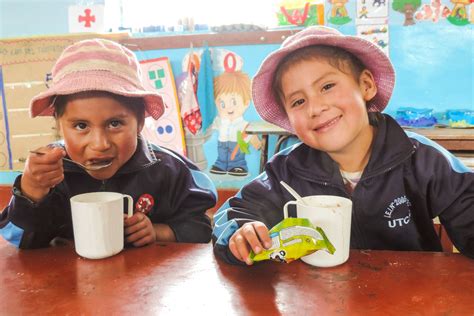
pixel 212 39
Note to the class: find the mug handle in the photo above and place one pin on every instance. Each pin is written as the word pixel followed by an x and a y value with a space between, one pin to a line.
pixel 285 208
pixel 130 204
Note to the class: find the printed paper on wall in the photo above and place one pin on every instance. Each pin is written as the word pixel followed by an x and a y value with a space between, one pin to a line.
pixel 167 131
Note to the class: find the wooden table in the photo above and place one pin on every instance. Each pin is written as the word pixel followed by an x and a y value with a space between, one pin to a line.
pixel 459 141
pixel 453 139
pixel 185 279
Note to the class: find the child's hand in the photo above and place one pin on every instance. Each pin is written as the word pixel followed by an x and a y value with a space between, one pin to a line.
pixel 139 230
pixel 42 172
pixel 253 235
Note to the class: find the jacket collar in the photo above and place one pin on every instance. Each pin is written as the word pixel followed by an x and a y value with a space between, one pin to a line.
pixel 391 146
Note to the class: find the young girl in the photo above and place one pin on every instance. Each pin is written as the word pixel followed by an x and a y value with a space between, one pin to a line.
pixel 329 89
pixel 100 104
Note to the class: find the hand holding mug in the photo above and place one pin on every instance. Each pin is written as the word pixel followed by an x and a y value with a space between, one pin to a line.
pixel 139 230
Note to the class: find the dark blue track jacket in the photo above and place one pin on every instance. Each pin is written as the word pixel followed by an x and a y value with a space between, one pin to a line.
pixel 408 181
pixel 166 186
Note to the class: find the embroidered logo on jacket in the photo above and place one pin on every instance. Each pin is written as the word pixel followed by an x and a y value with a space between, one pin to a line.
pixel 144 203
pixel 395 205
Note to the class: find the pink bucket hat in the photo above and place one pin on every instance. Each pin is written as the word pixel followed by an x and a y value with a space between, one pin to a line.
pixel 368 53
pixel 96 64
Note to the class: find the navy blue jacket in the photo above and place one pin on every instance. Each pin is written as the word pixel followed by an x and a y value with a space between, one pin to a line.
pixel 167 186
pixel 408 181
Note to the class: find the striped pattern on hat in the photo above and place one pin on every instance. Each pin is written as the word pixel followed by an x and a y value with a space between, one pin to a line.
pixel 373 58
pixel 97 64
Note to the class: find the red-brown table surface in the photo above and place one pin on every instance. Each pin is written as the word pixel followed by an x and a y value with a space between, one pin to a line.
pixel 186 279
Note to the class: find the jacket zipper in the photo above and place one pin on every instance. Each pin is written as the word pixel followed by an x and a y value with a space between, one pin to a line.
pixel 354 216
pixel 102 186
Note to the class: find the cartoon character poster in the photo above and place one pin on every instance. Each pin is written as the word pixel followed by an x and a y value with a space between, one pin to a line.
pixel 339 14
pixel 459 15
pixel 369 9
pixel 232 92
pixel 218 124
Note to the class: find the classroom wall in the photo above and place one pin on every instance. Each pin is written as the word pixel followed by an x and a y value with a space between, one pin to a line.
pixel 433 61
pixel 33 17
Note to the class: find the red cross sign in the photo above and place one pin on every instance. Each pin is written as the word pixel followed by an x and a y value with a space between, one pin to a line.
pixel 88 18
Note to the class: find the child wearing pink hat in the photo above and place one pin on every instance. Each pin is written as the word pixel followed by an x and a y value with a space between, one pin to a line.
pixel 100 104
pixel 329 89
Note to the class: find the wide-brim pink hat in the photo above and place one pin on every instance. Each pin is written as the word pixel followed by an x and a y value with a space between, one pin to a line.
pixel 373 58
pixel 96 65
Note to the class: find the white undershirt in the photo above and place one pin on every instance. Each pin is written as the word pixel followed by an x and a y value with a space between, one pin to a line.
pixel 351 178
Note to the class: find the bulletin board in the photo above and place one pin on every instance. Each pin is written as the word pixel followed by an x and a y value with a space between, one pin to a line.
pixel 25 66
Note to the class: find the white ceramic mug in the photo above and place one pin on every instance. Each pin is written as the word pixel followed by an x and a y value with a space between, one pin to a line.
pixel 333 214
pixel 97 220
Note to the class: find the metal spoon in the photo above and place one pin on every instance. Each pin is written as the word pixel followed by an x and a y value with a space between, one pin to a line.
pixel 292 192
pixel 92 167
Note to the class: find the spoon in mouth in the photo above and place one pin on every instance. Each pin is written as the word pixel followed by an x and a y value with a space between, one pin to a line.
pixel 90 167
pixel 292 192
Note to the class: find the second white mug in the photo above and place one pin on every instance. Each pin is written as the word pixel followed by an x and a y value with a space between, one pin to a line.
pixel 333 214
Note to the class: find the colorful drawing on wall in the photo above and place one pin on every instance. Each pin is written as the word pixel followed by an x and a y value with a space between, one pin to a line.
pixel 187 83
pixel 86 18
pixel 408 8
pixel 471 15
pixel 459 14
pixel 434 12
pixel 232 98
pixel 372 22
pixel 300 12
pixel 167 131
pixel 376 33
pixel 339 15
pixel 368 9
pixel 190 111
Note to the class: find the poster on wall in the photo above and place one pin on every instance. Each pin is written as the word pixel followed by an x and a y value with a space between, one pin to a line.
pixel 369 9
pixel 167 131
pixel 432 12
pixel 86 18
pixel 372 22
pixel 232 94
pixel 376 33
pixel 217 141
